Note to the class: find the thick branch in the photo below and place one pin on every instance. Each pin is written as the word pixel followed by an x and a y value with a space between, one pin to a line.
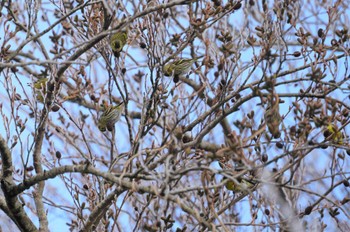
pixel 13 205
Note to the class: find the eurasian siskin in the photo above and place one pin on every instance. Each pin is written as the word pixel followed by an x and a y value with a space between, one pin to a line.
pixel 178 67
pixel 118 41
pixel 41 83
pixel 40 88
pixel 332 133
pixel 240 185
pixel 110 116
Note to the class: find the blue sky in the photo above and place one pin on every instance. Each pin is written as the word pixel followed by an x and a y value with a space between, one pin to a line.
pixel 58 218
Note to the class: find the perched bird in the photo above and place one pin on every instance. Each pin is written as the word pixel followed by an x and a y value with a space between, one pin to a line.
pixel 110 116
pixel 273 117
pixel 240 185
pixel 332 133
pixel 41 83
pixel 118 41
pixel 178 67
pixel 40 88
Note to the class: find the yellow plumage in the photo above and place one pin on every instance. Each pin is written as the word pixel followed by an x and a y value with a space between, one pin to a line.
pixel 41 83
pixel 178 67
pixel 40 89
pixel 332 133
pixel 240 185
pixel 118 41
pixel 110 116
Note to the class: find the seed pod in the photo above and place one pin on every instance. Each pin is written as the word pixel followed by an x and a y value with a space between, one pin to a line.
pixel 273 117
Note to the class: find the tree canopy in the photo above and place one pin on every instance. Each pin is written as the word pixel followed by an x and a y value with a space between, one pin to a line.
pixel 175 115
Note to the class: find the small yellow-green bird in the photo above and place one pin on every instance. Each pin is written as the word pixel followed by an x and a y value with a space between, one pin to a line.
pixel 41 83
pixel 178 67
pixel 118 41
pixel 240 185
pixel 332 133
pixel 40 88
pixel 110 116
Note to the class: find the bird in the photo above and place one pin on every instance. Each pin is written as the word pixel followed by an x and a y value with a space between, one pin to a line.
pixel 41 83
pixel 117 41
pixel 239 185
pixel 110 116
pixel 178 67
pixel 333 133
pixel 40 89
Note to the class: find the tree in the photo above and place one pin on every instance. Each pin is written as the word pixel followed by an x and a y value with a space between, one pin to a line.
pixel 253 137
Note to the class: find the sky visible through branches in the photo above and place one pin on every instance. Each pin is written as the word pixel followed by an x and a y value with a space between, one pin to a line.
pixel 254 136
